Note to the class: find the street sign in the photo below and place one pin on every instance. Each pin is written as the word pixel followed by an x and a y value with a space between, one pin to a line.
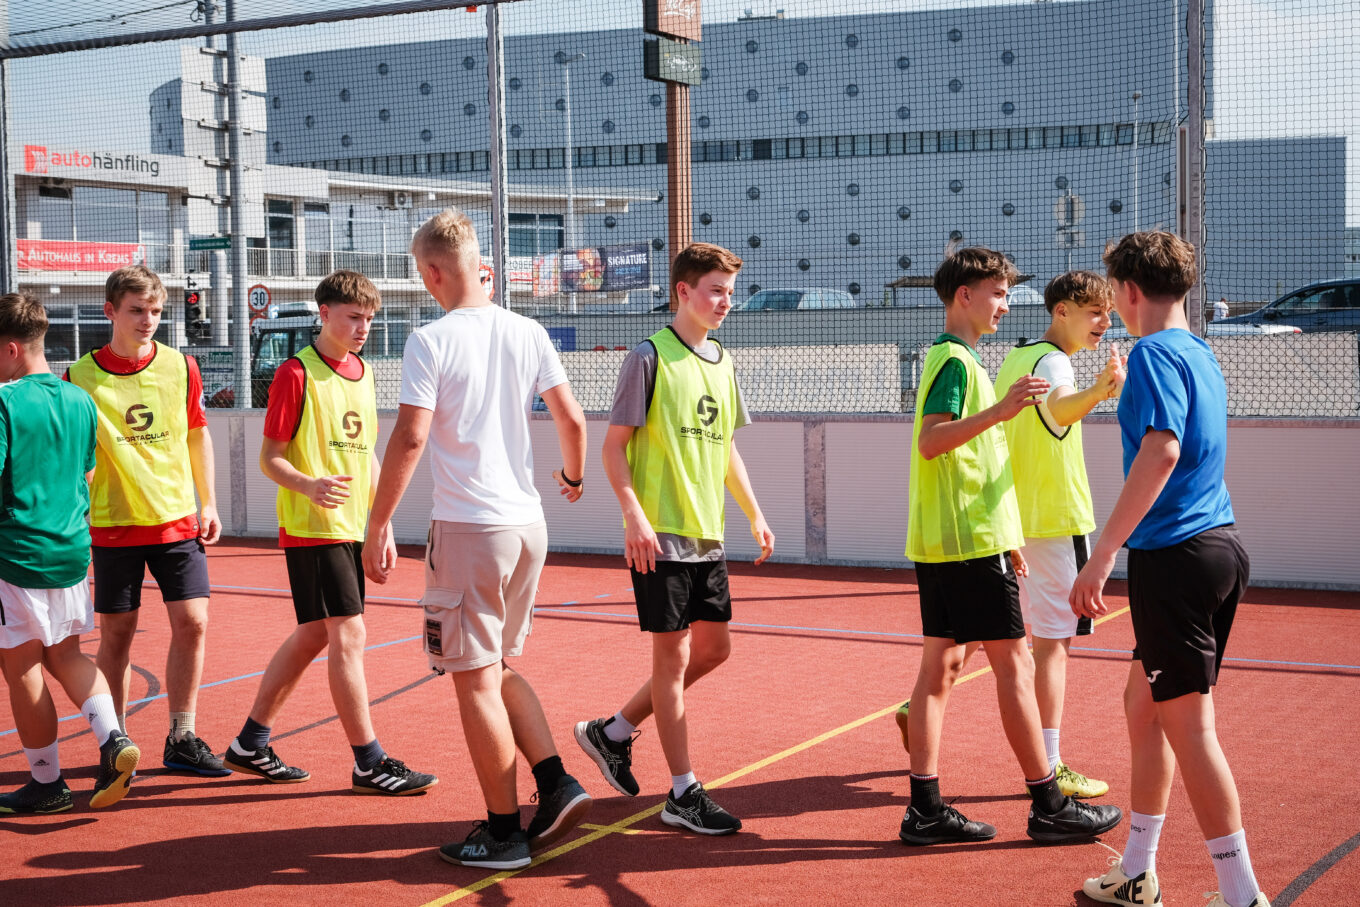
pixel 209 242
pixel 258 297
pixel 669 61
pixel 676 18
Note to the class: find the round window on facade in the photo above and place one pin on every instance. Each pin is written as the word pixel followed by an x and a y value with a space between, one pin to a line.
pixel 658 243
pixel 610 222
pixel 802 117
pixel 1007 57
pixel 1060 182
pixel 346 141
pixel 425 88
pixel 852 41
pixel 752 46
pixel 903 62
pixel 955 35
pixel 469 63
pixel 904 262
pixel 854 289
pixel 852 189
pixel 703 74
pixel 426 135
pixel 344 94
pixel 904 112
pixel 852 239
pixel 1008 209
pixel 607 79
pixel 607 125
pixel 752 95
pixel 310 121
pixel 956 186
pixel 384 114
pixel 801 68
pixel 705 122
pixel 955 85
pixel 804 216
pixel 517 130
pixel 1008 108
pixel 515 84
pixel 654 100
pixel 470 110
pixel 382 69
pixel 753 193
pixel 753 241
pixel 851 90
pixel 804 264
pixel 278 146
pixel 560 103
pixel 753 289
pixel 1116 206
pixel 956 235
pixel 278 102
pixel 306 77
pixel 705 218
pixel 903 213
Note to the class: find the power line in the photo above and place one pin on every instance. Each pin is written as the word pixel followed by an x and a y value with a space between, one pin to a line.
pixel 114 17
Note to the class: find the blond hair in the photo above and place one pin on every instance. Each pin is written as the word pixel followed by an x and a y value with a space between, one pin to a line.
pixel 340 287
pixel 136 279
pixel 449 233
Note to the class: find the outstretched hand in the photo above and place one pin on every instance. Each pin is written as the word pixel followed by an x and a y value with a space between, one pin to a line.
pixel 1024 392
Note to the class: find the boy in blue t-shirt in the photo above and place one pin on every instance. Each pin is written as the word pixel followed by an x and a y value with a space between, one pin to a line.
pixel 1187 572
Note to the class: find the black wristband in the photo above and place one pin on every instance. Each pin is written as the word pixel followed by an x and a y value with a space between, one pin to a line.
pixel 576 484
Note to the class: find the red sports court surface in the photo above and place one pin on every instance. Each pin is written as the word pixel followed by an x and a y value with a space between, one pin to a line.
pixel 794 735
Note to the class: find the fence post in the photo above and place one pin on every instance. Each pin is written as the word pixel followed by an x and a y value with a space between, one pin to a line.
pixel 500 220
pixel 240 311
pixel 9 245
pixel 1193 171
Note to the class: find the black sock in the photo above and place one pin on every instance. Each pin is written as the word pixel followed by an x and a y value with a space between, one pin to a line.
pixel 502 826
pixel 253 735
pixel 368 756
pixel 925 794
pixel 1045 794
pixel 546 775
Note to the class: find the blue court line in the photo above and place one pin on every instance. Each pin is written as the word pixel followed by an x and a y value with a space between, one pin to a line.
pixel 1256 661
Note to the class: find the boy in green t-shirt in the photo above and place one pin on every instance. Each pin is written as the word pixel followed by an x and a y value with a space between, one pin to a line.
pixel 46 454
pixel 670 429
pixel 963 532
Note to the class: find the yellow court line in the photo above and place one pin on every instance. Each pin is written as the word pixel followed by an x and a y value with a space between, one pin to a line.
pixel 622 826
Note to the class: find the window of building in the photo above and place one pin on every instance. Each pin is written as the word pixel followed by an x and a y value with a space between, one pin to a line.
pixel 535 234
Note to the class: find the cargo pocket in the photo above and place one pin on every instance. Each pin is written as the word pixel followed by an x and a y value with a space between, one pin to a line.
pixel 443 623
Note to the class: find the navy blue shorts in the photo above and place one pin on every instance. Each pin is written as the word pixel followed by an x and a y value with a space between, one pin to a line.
pixel 179 568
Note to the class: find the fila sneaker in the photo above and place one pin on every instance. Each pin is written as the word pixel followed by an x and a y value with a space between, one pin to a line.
pixel 1076 821
pixel 695 810
pixel 479 848
pixel 1116 888
pixel 614 760
pixel 558 813
pixel 118 759
pixel 1220 901
pixel 1075 784
pixel 37 799
pixel 391 777
pixel 949 827
pixel 264 763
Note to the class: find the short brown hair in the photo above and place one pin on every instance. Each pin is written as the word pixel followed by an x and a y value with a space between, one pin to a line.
pixel 1161 263
pixel 22 319
pixel 968 266
pixel 451 233
pixel 137 279
pixel 1081 288
pixel 341 287
pixel 700 258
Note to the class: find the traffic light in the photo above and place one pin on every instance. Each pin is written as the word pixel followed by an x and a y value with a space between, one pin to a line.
pixel 195 315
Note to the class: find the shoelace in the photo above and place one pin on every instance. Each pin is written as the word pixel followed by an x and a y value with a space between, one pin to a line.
pixel 394 767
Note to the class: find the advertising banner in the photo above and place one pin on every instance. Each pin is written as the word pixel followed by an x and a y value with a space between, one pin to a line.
pixel 547 275
pixel 608 269
pixel 59 255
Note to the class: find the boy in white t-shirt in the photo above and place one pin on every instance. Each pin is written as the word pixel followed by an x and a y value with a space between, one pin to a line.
pixel 1051 486
pixel 468 383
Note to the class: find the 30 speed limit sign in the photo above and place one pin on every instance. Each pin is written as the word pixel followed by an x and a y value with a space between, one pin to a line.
pixel 258 297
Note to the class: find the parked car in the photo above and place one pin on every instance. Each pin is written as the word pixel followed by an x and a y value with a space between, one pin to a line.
pixel 788 300
pixel 1332 305
pixel 1216 329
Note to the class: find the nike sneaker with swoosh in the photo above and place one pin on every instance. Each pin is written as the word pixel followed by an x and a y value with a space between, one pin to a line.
pixel 1076 821
pixel 948 827
pixel 1114 887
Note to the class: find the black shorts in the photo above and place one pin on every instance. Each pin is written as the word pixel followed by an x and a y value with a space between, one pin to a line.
pixel 1182 600
pixel 969 601
pixel 179 568
pixel 678 593
pixel 327 580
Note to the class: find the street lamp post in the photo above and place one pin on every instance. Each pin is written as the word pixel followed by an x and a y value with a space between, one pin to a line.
pixel 1137 96
pixel 569 234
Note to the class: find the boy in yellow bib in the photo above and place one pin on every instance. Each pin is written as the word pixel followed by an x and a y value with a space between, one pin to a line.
pixel 669 454
pixel 154 452
pixel 1049 468
pixel 963 531
pixel 320 435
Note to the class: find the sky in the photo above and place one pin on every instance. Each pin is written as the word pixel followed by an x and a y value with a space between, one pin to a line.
pixel 1281 67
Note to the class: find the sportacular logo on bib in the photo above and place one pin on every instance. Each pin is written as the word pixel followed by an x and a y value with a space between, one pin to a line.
pixel 139 417
pixel 707 410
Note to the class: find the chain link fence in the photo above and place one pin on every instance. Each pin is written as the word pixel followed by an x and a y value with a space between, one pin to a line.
pixel 842 156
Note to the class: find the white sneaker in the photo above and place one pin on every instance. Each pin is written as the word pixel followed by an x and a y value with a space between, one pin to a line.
pixel 1116 888
pixel 1217 900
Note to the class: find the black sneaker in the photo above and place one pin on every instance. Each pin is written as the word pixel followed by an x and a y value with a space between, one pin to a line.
pixel 264 763
pixel 1076 821
pixel 558 813
pixel 39 799
pixel 118 759
pixel 615 760
pixel 696 811
pixel 191 754
pixel 479 848
pixel 949 827
pixel 391 777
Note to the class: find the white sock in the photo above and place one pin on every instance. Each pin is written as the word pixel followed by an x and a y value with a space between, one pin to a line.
pixel 618 728
pixel 43 763
pixel 1236 881
pixel 98 710
pixel 1140 854
pixel 181 725
pixel 682 783
pixel 1051 747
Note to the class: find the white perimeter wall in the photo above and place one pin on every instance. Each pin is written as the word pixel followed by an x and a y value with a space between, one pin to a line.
pixel 1294 488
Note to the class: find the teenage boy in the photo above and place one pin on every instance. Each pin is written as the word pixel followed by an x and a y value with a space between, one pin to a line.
pixel 1054 496
pixel 1187 572
pixel 46 453
pixel 963 532
pixel 320 436
pixel 668 459
pixel 154 453
pixel 468 383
